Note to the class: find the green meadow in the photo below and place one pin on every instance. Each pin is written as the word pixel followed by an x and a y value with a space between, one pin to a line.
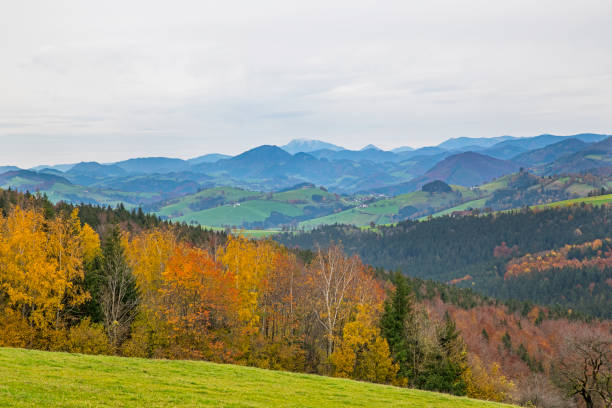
pixel 45 379
pixel 596 200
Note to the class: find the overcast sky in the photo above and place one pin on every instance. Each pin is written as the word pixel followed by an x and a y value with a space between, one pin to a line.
pixel 108 80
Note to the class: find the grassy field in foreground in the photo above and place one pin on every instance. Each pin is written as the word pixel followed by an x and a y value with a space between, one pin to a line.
pixel 44 379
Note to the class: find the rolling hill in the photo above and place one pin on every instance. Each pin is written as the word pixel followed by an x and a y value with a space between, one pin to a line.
pixel 167 185
pixel 26 180
pixel 514 147
pixel 60 189
pixel 508 192
pixel 86 173
pixel 306 206
pixel 469 169
pixel 550 153
pixel 524 189
pixel 466 169
pixel 203 200
pixel 594 156
pixel 149 165
pixel 595 200
pixel 227 206
pixel 390 210
pixel 46 379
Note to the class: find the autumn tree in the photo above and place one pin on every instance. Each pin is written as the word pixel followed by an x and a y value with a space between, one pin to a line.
pixel 334 279
pixel 537 390
pixel 40 272
pixel 282 304
pixel 486 383
pixel 252 264
pixel 199 302
pixel 147 253
pixel 362 353
pixel 118 294
pixel 585 368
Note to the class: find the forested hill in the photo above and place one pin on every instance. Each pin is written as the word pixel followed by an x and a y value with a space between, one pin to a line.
pixel 474 251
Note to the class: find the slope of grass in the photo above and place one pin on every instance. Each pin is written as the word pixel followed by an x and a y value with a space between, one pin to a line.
pixel 221 195
pixel 44 379
pixel 247 211
pixel 480 203
pixel 597 200
pixel 304 195
pixel 388 210
pixel 222 206
pixel 354 216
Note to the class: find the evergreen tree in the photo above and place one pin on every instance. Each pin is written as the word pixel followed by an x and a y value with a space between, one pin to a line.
pixel 93 283
pixel 393 323
pixel 447 363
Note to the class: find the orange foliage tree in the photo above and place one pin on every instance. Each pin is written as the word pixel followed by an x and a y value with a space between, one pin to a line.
pixel 198 302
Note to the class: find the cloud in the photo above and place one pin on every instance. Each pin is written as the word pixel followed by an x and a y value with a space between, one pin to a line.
pixel 196 77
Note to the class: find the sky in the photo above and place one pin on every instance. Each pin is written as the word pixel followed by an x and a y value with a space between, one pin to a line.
pixel 109 80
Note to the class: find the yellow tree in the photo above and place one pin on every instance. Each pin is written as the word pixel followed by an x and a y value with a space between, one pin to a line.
pixel 362 353
pixel 252 263
pixel 69 245
pixel 91 244
pixel 40 266
pixel 147 254
pixel 486 383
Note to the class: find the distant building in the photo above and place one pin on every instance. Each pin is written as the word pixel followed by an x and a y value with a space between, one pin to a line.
pixel 463 213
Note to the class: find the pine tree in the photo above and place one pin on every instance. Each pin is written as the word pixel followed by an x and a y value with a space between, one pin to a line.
pixel 447 363
pixel 393 324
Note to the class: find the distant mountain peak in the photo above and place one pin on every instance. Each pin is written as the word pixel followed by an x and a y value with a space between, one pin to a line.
pixel 370 147
pixel 470 169
pixel 268 152
pixel 308 145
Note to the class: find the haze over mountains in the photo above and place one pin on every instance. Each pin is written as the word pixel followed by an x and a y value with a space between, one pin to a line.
pixel 153 182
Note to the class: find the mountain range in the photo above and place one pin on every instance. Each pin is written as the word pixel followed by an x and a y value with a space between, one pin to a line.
pixel 154 182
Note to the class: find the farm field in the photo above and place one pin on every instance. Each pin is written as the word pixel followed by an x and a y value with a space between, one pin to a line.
pixel 596 200
pixel 461 207
pixel 227 206
pixel 394 209
pixel 48 379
